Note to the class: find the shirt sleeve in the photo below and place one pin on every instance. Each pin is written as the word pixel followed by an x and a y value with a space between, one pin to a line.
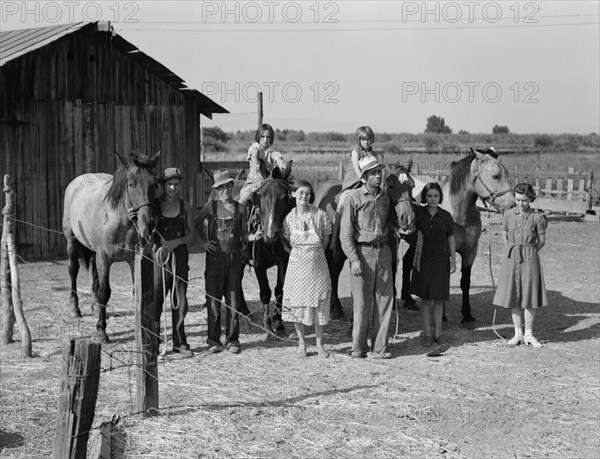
pixel 253 150
pixel 541 224
pixel 347 229
pixel 325 226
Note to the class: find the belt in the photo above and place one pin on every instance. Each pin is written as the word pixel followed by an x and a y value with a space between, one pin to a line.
pixel 374 245
pixel 518 255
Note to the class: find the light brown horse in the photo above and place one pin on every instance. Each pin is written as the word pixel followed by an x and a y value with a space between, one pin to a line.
pixel 476 176
pixel 104 219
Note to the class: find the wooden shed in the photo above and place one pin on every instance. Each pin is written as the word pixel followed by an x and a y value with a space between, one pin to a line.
pixel 70 96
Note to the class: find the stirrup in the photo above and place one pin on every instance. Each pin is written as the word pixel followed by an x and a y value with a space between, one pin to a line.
pixel 530 340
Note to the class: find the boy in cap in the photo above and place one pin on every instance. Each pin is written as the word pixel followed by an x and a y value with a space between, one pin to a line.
pixel 364 239
pixel 174 230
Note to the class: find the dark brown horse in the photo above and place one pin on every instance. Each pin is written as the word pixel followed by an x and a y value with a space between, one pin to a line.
pixel 271 203
pixel 327 197
pixel 476 176
pixel 104 218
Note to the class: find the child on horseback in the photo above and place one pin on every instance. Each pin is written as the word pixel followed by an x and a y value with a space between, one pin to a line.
pixel 260 151
pixel 521 282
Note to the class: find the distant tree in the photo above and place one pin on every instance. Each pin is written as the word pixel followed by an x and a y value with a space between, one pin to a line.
pixel 295 136
pixel 437 124
pixel 279 136
pixel 312 137
pixel 543 141
pixel 463 132
pixel 431 142
pixel 216 133
pixel 500 129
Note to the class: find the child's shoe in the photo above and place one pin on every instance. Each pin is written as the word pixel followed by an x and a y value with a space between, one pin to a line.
pixel 530 340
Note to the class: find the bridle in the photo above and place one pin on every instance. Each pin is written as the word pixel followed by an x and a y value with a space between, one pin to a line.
pixel 491 199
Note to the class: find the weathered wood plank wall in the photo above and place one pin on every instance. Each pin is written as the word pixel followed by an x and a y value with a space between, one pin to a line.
pixel 65 109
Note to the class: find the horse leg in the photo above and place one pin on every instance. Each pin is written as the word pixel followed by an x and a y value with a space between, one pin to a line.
pixel 393 243
pixel 336 259
pixel 103 295
pixel 73 247
pixel 277 320
pixel 407 265
pixel 242 305
pixel 95 283
pixel 265 296
pixel 465 285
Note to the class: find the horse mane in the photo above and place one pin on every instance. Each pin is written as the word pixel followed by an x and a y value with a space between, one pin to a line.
pixel 459 173
pixel 119 182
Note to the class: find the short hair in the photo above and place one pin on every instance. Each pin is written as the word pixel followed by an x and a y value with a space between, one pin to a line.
pixel 431 186
pixel 264 128
pixel 526 189
pixel 305 184
pixel 364 131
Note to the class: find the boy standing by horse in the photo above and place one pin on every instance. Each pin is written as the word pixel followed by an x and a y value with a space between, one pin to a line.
pixel 364 239
pixel 226 230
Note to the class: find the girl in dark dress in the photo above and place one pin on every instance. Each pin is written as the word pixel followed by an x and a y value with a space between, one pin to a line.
pixel 434 260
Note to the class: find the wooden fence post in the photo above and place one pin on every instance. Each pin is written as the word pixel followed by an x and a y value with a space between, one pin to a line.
pixel 146 334
pixel 77 398
pixel 10 276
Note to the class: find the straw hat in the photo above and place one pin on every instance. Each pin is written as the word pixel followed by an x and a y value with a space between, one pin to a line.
pixel 368 163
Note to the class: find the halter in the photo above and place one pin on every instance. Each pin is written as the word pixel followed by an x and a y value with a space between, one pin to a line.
pixel 491 199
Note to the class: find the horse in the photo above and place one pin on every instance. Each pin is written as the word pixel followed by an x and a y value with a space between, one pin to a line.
pixel 104 218
pixel 480 175
pixel 327 197
pixel 271 202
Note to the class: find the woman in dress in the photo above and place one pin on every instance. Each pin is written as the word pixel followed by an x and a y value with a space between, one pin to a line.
pixel 307 287
pixel 434 260
pixel 521 282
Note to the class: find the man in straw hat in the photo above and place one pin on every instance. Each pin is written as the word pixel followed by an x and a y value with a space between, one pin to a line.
pixel 364 239
pixel 174 230
pixel 226 230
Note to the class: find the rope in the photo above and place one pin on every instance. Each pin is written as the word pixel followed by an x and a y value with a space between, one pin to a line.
pixel 492 276
pixel 173 293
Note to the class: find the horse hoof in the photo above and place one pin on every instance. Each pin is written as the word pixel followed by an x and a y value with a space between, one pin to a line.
pixel 467 320
pixel 75 314
pixel 280 333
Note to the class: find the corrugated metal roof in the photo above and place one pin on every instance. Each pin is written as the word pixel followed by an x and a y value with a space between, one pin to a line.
pixel 16 43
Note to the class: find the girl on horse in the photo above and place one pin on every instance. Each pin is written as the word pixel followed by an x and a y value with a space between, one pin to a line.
pixel 521 283
pixel 260 151
pixel 226 230
pixel 174 230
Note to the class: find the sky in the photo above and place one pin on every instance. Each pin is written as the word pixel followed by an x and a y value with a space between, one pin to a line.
pixel 533 66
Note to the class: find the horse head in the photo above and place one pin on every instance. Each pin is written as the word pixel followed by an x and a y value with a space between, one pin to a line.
pixel 137 182
pixel 274 201
pixel 401 195
pixel 490 180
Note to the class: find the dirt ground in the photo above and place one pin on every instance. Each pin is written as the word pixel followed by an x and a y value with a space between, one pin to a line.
pixel 479 399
